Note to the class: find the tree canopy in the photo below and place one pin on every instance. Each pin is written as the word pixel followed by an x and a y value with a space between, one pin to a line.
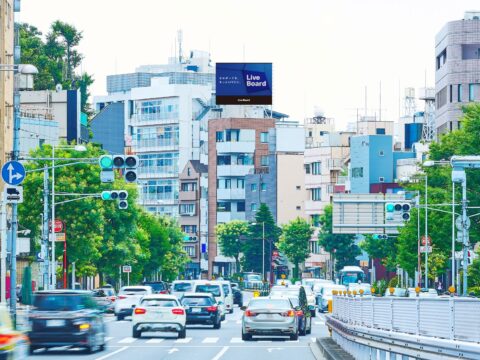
pixel 229 237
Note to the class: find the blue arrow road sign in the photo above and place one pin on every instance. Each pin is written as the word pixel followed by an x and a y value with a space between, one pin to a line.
pixel 13 173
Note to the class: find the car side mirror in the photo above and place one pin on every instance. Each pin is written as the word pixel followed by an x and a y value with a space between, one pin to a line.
pixel 297 308
pixel 243 308
pixel 133 306
pixel 311 307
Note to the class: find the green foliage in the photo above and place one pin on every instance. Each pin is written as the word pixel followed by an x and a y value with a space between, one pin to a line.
pixel 229 238
pixel 294 242
pixel 56 58
pixel 342 246
pixel 253 247
pixel 474 277
pixel 381 249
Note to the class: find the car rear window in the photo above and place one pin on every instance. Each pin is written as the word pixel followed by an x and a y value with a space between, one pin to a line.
pixel 62 302
pixel 133 291
pixel 212 289
pixel 182 287
pixel 160 302
pixel 269 304
pixel 156 286
pixel 197 301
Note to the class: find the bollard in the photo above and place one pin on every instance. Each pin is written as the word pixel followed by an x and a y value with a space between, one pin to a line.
pixel 330 306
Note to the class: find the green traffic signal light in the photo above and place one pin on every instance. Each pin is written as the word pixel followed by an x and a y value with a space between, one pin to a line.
pixel 106 162
pixel 106 195
pixel 390 207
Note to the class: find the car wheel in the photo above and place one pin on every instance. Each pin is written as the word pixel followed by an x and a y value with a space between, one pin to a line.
pixel 240 304
pixel 303 330
pixel 309 330
pixel 182 334
pixel 313 313
pixel 136 333
pixel 31 349
pixel 246 337
pixel 218 325
pixel 294 337
pixel 120 317
pixel 222 318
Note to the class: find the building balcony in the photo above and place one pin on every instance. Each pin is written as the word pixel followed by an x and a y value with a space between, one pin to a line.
pixel 315 207
pixel 155 145
pixel 230 194
pixel 233 170
pixel 226 216
pixel 335 164
pixel 228 147
pixel 154 199
pixel 151 119
pixel 188 195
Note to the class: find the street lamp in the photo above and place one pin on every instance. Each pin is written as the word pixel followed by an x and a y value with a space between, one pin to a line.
pixel 80 148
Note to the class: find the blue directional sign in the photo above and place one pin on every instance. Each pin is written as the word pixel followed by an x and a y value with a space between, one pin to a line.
pixel 13 173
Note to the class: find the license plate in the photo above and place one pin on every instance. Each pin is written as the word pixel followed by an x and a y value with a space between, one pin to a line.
pixel 196 310
pixel 55 323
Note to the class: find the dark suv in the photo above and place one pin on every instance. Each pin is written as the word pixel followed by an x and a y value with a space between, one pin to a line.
pixel 66 318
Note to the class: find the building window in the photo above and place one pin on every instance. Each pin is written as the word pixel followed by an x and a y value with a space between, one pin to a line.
pixel 253 187
pixel 263 187
pixel 314 247
pixel 451 93
pixel 316 168
pixel 459 92
pixel 189 229
pixel 316 194
pixel 241 206
pixel 190 250
pixel 264 160
pixel 299 208
pixel 310 133
pixel 441 59
pixel 253 207
pixel 220 136
pixel 187 209
pixel 470 51
pixel 224 206
pixel 381 179
pixel 473 92
pixel 381 153
pixel 441 98
pixel 188 186
pixel 232 135
pixel 224 160
pixel 240 183
pixel 315 219
pixel 357 172
pixel 264 137
pixel 188 172
pixel 380 131
pixel 307 168
pixel 299 188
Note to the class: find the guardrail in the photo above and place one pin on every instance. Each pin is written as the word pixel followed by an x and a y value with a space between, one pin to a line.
pixel 452 318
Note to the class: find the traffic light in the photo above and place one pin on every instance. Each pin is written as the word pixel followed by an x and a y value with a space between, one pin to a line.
pixel 106 195
pixel 400 211
pixel 119 195
pixel 389 209
pixel 406 211
pixel 131 163
pixel 106 165
pixel 123 204
pixel 119 161
pixel 122 195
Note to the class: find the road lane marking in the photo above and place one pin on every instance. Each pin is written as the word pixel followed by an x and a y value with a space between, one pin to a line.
pixel 239 322
pixel 154 341
pixel 112 353
pixel 221 353
pixel 236 340
pixel 171 351
pixel 319 322
pixel 210 340
pixel 183 341
pixel 314 339
pixel 108 338
pixel 127 340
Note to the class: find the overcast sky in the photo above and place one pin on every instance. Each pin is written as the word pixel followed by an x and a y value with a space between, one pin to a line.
pixel 324 51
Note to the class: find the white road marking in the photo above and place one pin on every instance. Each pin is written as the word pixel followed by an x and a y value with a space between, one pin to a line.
pixel 239 322
pixel 236 340
pixel 319 322
pixel 272 349
pixel 314 339
pixel 112 353
pixel 154 341
pixel 171 351
pixel 108 338
pixel 221 353
pixel 210 340
pixel 183 341
pixel 127 340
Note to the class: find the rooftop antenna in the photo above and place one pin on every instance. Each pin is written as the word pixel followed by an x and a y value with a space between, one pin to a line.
pixel 180 40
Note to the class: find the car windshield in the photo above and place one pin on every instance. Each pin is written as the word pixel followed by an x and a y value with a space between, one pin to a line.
pixel 62 302
pixel 283 292
pixel 226 289
pixel 212 289
pixel 99 293
pixel 182 287
pixel 160 302
pixel 270 304
pixel 197 301
pixel 133 291
pixel 108 292
pixel 253 278
pixel 156 286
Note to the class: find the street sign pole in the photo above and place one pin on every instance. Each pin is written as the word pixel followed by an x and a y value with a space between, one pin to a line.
pixel 3 250
pixel 128 279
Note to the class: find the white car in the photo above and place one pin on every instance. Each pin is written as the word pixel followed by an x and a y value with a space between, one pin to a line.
pixel 180 287
pixel 216 289
pixel 311 299
pixel 128 297
pixel 159 312
pixel 227 289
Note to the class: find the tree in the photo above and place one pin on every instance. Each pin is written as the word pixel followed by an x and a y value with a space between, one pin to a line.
pixel 294 242
pixel 253 247
pixel 341 246
pixel 229 238
pixel 56 58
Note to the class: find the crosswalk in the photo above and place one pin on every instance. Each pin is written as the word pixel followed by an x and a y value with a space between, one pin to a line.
pixel 188 340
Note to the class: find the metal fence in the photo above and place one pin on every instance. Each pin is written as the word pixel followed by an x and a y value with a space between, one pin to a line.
pixel 450 318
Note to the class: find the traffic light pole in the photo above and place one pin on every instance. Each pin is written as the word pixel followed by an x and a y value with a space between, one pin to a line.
pixel 465 236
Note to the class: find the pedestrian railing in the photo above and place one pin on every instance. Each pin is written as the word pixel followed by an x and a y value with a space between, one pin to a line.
pixel 452 318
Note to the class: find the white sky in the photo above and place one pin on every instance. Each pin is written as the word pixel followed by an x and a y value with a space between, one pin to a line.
pixel 324 51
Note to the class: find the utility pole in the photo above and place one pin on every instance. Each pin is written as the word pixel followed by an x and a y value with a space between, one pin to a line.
pixel 44 246
pixel 3 254
pixel 427 243
pixel 465 239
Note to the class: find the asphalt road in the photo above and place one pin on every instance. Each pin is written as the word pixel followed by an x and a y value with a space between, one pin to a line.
pixel 200 343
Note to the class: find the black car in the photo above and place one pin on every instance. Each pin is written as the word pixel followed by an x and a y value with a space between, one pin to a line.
pixel 103 299
pixel 237 294
pixel 158 287
pixel 66 318
pixel 202 309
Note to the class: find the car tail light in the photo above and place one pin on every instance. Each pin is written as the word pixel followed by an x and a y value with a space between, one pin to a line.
pixel 164 292
pixel 212 309
pixel 6 338
pixel 112 298
pixel 121 297
pixel 299 313
pixel 178 312
pixel 249 313
pixel 140 311
pixel 289 313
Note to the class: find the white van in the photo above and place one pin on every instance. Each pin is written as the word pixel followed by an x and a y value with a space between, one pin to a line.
pixel 216 289
pixel 179 287
pixel 227 289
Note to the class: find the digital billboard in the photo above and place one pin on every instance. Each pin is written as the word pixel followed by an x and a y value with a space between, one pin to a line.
pixel 244 83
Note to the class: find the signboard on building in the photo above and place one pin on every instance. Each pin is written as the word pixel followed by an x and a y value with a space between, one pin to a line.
pixel 244 83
